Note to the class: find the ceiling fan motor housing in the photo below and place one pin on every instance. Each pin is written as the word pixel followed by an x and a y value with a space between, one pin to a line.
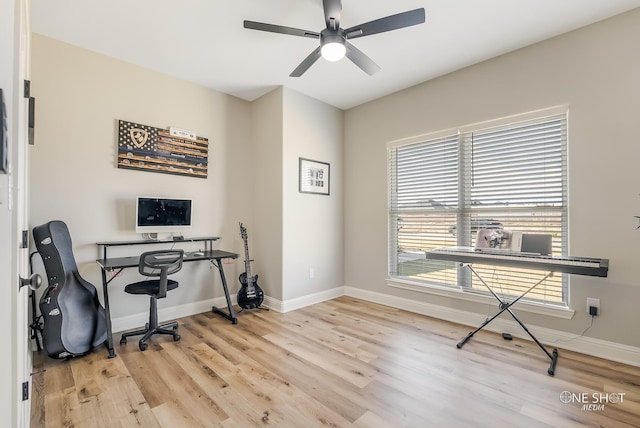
pixel 332 36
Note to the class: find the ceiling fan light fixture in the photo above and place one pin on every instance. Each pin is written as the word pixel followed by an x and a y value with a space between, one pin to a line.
pixel 333 47
pixel 333 51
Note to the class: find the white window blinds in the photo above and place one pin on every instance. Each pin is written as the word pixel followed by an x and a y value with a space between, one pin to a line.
pixel 442 190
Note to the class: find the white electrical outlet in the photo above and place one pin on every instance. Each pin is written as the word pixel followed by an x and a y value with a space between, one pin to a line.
pixel 593 302
pixel 312 273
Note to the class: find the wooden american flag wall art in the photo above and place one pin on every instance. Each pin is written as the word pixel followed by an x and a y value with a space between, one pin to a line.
pixel 147 148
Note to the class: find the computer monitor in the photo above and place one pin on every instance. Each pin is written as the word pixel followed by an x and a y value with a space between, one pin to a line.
pixel 160 215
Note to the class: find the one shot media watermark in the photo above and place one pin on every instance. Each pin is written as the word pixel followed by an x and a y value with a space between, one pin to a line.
pixel 592 401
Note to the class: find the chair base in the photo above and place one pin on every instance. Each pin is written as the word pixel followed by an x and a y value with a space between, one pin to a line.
pixel 152 327
pixel 169 328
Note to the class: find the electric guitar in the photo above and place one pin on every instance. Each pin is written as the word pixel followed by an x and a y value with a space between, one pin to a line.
pixel 250 295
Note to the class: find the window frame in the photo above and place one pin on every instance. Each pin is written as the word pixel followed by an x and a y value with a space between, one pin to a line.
pixel 459 291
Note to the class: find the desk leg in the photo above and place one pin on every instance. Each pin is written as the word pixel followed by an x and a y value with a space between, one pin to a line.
pixel 231 316
pixel 105 284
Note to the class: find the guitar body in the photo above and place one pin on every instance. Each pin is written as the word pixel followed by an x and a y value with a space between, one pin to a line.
pixel 248 299
pixel 74 319
pixel 250 295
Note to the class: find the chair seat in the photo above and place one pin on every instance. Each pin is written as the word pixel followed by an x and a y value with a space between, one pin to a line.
pixel 149 287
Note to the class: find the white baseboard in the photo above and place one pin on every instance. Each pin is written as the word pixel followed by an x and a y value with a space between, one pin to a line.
pixel 322 296
pixel 553 338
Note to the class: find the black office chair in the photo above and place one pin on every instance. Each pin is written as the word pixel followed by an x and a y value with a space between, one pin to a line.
pixel 155 264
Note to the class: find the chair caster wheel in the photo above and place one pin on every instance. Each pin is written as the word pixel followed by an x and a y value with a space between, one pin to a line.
pixel 142 346
pixel 176 337
pixel 123 341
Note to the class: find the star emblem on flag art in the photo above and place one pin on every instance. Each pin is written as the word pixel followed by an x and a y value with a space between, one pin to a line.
pixel 148 148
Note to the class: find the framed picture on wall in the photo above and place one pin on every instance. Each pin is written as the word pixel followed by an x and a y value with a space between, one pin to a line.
pixel 314 176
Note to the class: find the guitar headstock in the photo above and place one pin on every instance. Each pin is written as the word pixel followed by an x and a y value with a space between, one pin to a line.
pixel 243 232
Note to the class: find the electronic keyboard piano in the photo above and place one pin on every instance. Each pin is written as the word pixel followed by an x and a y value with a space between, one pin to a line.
pixel 565 264
pixel 467 256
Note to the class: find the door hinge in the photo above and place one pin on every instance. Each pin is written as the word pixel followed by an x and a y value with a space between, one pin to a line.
pixel 25 391
pixel 32 120
pixel 25 239
pixel 27 88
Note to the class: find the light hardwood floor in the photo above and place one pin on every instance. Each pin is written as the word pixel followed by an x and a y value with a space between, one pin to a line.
pixel 341 363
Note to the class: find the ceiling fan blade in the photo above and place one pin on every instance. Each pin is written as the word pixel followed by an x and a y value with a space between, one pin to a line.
pixel 388 23
pixel 252 25
pixel 306 63
pixel 332 11
pixel 361 60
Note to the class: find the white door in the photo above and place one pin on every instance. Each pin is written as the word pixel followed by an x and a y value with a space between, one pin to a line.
pixel 15 359
pixel 21 226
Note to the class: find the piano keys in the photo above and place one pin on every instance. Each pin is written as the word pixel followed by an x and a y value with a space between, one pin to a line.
pixel 564 264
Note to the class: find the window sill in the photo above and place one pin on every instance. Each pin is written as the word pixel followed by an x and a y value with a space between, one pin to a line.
pixel 557 311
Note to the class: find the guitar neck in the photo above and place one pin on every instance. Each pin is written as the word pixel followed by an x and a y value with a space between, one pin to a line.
pixel 247 260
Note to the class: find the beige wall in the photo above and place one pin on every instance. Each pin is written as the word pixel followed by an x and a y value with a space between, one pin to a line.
pixel 312 231
pixel 80 96
pixel 295 232
pixel 253 173
pixel 266 203
pixel 595 70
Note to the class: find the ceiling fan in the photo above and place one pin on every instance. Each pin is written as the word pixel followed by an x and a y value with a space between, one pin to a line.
pixel 334 40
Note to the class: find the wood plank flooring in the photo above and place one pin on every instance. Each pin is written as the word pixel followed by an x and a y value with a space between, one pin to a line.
pixel 341 363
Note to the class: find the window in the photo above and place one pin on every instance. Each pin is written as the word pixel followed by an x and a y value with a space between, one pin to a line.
pixel 509 174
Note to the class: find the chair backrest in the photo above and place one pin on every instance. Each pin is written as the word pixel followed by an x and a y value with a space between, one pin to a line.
pixel 160 263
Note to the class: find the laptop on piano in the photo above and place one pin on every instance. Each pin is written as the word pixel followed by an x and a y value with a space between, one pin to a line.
pixel 504 241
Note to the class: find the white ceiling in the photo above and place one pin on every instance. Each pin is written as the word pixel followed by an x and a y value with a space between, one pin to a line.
pixel 204 41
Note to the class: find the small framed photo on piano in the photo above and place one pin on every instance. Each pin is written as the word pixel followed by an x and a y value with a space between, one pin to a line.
pixel 314 176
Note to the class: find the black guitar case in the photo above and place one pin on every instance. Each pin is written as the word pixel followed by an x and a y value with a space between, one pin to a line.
pixel 74 319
